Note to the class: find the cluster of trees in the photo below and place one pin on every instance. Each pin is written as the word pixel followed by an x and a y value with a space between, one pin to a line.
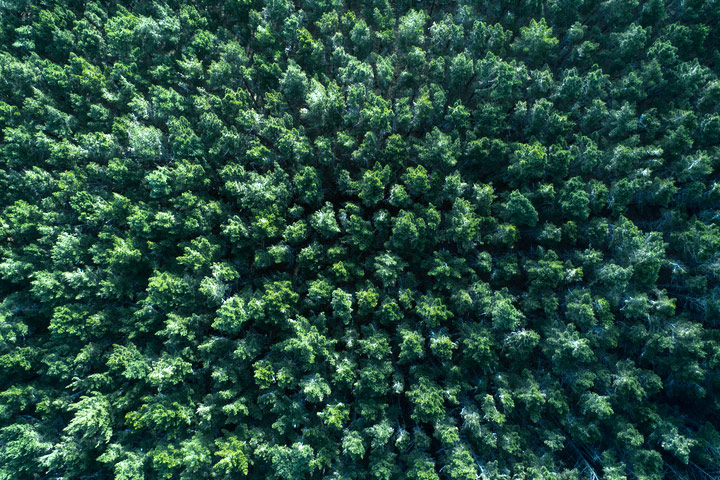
pixel 327 239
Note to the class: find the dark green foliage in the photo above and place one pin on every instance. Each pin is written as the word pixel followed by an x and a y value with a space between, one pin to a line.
pixel 326 239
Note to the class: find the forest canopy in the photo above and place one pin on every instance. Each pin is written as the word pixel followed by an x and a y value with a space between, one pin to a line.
pixel 342 239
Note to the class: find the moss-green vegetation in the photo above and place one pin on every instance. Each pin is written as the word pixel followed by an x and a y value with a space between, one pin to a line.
pixel 327 240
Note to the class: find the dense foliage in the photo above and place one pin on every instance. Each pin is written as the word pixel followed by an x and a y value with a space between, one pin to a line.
pixel 359 240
